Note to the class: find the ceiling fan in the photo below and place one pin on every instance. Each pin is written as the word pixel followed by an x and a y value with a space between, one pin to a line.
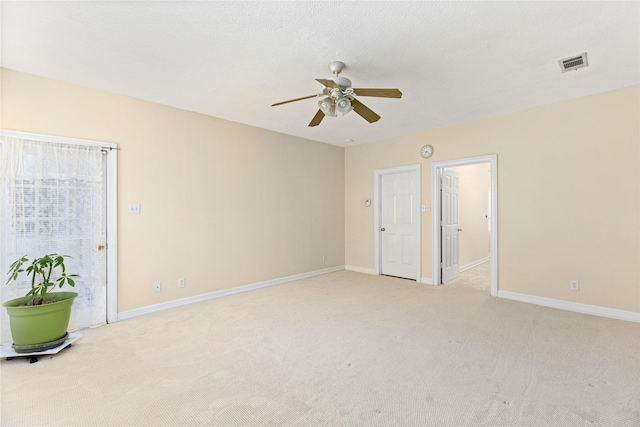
pixel 340 97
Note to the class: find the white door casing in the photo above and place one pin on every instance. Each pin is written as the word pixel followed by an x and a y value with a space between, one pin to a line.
pixel 398 225
pixel 450 225
pixel 436 172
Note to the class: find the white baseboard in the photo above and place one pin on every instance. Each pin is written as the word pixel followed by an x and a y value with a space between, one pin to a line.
pixel 474 264
pixel 360 269
pixel 129 314
pixel 596 310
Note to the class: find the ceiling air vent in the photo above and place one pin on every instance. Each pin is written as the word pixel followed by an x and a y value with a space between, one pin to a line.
pixel 573 63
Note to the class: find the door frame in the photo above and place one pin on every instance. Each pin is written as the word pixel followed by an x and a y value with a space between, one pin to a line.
pixel 110 150
pixel 436 185
pixel 377 198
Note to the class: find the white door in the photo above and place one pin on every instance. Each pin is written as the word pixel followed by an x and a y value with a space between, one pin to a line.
pixel 399 224
pixel 450 226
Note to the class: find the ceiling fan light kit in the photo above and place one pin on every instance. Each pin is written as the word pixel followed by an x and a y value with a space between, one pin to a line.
pixel 340 97
pixel 328 107
pixel 343 105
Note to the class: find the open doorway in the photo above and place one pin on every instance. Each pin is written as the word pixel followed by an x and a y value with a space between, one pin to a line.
pixel 466 215
pixel 463 197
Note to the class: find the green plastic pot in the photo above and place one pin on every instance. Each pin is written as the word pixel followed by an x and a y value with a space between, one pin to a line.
pixel 39 324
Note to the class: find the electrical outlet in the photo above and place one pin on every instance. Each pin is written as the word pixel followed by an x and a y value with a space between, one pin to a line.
pixel 181 282
pixel 324 258
pixel 157 286
pixel 574 285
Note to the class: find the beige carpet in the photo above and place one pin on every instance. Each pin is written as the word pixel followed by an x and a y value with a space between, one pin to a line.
pixel 343 349
pixel 478 278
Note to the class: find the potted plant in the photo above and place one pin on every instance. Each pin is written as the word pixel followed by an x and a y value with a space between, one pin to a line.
pixel 39 320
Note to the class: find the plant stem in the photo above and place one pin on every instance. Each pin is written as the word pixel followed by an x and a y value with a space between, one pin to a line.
pixel 49 275
pixel 33 277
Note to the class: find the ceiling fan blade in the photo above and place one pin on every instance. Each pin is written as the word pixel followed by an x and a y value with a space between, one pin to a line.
pixel 316 119
pixel 328 83
pixel 364 111
pixel 382 93
pixel 293 100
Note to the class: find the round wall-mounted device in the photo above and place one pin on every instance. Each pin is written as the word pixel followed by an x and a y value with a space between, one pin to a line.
pixel 426 151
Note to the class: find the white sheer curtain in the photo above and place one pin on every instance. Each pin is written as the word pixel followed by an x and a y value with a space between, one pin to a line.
pixel 52 200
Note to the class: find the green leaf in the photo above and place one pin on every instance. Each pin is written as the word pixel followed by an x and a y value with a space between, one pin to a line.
pixel 40 271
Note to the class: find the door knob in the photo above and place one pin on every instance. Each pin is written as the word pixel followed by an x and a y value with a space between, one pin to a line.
pixel 382 229
pixel 459 229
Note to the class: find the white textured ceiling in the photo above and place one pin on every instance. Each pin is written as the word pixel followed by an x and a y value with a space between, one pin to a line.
pixel 453 61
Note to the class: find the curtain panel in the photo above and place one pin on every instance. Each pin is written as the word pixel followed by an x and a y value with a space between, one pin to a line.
pixel 52 200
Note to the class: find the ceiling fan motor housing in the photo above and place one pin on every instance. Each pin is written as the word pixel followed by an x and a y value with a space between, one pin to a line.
pixel 343 82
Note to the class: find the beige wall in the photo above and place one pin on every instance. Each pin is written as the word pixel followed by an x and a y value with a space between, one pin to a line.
pixel 222 204
pixel 568 195
pixel 475 186
pixel 225 205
